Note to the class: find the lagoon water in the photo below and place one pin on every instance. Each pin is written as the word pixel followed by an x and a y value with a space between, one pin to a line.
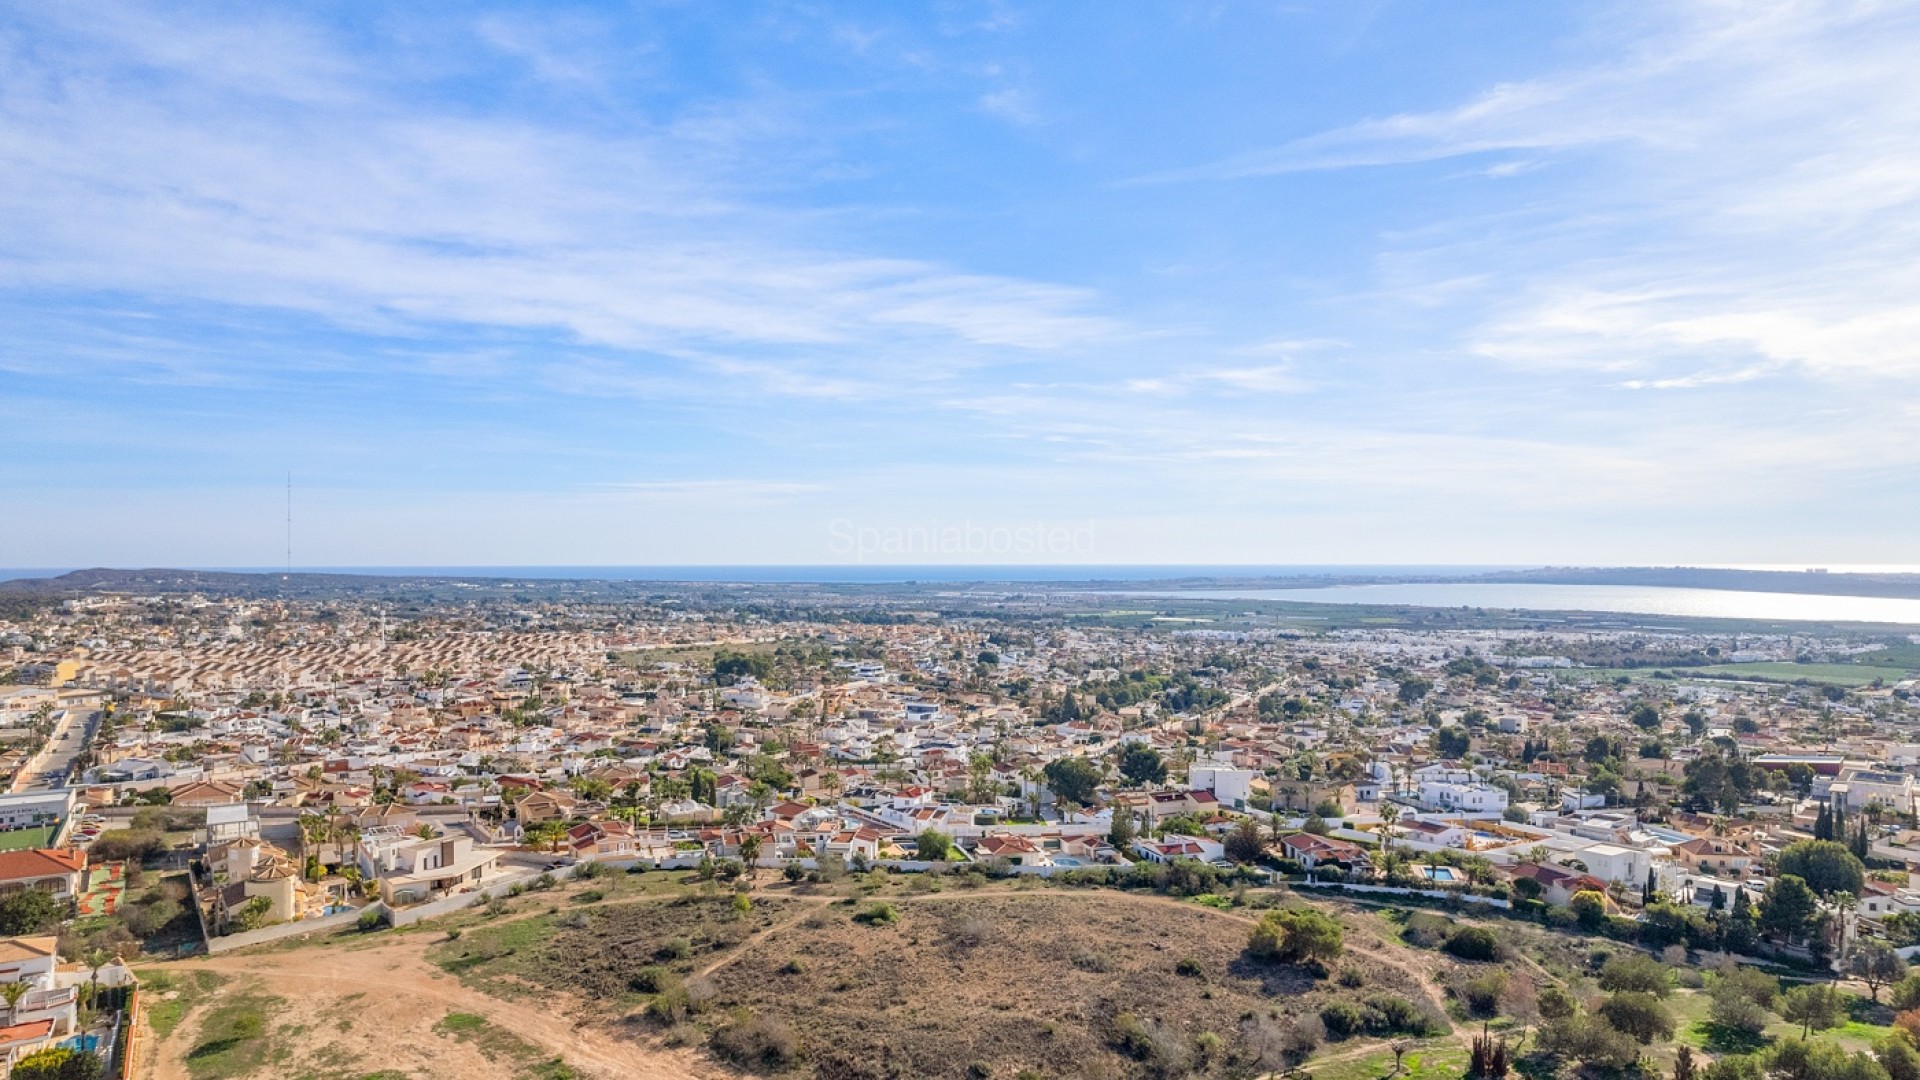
pixel 1625 599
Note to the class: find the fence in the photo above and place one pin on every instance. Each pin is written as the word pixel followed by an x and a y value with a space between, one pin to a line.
pixel 1396 890
pixel 292 929
pixel 407 916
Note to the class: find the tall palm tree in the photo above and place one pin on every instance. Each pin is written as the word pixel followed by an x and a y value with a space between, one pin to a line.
pixel 750 854
pixel 1389 817
pixel 95 960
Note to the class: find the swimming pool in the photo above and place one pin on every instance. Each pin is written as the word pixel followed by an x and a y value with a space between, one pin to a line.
pixel 88 1043
pixel 1440 873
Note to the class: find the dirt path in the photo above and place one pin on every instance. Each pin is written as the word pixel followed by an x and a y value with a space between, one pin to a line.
pixel 378 1008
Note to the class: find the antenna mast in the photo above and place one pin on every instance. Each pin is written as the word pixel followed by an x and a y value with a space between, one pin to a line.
pixel 289 573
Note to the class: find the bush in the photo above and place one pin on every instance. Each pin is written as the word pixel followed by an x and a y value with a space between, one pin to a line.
pixel 756 1040
pixel 1426 929
pixel 1474 943
pixel 370 920
pixel 653 979
pixel 1381 1015
pixel 880 914
pixel 1636 972
pixel 1296 936
pixel 1482 993
pixel 1343 1020
pixel 1638 1014
pixel 28 911
pixel 1190 967
pixel 675 948
pixel 58 1063
pixel 116 845
pixel 1591 1041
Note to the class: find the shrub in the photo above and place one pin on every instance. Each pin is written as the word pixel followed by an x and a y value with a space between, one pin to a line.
pixel 652 979
pixel 1343 1020
pixel 1906 993
pixel 58 1063
pixel 1474 943
pixel 1482 993
pixel 1189 967
pixel 1296 936
pixel 120 844
pixel 1426 929
pixel 1638 1014
pixel 370 920
pixel 880 914
pixel 1380 1015
pixel 589 870
pixel 675 948
pixel 756 1040
pixel 1090 961
pixel 1636 972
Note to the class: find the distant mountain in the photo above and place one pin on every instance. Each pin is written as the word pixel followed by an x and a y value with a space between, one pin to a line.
pixel 221 582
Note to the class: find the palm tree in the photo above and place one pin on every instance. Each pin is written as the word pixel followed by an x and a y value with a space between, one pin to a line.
pixel 750 854
pixel 95 960
pixel 13 992
pixel 1389 817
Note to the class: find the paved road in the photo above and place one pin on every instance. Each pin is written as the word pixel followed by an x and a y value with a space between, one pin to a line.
pixel 47 771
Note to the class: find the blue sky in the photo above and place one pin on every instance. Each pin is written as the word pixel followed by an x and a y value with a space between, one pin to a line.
pixel 725 283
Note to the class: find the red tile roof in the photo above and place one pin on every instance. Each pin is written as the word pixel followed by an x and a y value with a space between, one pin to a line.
pixel 40 862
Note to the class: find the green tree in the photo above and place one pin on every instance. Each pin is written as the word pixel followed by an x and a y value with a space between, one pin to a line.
pixel 1637 972
pixel 1815 1007
pixel 1299 935
pixel 1825 865
pixel 1898 1057
pixel 1875 963
pixel 934 846
pixel 1246 843
pixel 1639 1014
pixel 1072 779
pixel 1789 907
pixel 1590 908
pixel 1141 764
pixel 28 911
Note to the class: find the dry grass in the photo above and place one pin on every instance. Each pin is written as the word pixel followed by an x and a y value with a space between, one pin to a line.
pixel 1063 984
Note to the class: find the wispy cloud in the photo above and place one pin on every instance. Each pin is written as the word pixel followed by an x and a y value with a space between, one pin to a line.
pixel 320 190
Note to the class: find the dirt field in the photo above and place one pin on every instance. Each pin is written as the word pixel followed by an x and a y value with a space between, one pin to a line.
pixel 382 1012
pixel 657 980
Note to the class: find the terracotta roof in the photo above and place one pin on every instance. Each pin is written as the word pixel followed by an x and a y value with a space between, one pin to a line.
pixel 40 862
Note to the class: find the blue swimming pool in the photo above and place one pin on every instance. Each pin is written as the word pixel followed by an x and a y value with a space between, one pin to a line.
pixel 1440 873
pixel 88 1043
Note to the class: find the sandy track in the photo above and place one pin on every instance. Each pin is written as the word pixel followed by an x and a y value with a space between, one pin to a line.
pixel 362 1010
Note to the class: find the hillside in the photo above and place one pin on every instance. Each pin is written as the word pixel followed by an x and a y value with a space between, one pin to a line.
pixel 637 978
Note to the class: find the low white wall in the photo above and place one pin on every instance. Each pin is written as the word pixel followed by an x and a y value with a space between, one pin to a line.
pixel 1396 890
pixel 286 930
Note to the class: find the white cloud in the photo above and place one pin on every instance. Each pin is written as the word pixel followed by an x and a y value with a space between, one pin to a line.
pixel 322 189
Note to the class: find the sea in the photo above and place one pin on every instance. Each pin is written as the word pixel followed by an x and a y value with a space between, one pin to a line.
pixel 1621 599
